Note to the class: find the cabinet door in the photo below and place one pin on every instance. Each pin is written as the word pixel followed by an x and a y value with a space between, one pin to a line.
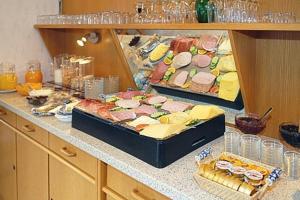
pixel 8 178
pixel 66 184
pixel 32 171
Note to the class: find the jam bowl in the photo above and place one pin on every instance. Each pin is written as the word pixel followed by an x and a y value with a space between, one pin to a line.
pixel 249 123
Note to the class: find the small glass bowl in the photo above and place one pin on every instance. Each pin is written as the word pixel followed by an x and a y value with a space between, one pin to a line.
pixel 249 123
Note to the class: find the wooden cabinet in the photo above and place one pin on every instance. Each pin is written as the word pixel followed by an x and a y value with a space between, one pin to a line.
pixel 72 175
pixel 32 171
pixel 8 176
pixel 67 184
pixel 121 187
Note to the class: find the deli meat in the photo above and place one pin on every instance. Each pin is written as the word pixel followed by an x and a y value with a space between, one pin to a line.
pixel 202 82
pixel 181 78
pixel 122 115
pixel 156 100
pixel 129 94
pixel 209 42
pixel 128 103
pixel 201 61
pixel 159 72
pixel 145 109
pixel 176 106
pixel 181 44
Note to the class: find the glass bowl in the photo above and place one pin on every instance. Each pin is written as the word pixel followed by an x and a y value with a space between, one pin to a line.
pixel 249 123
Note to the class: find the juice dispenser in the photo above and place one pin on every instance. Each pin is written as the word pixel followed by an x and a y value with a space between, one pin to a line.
pixel 34 73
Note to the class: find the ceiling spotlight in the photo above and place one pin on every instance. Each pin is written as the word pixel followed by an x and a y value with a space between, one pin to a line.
pixel 92 37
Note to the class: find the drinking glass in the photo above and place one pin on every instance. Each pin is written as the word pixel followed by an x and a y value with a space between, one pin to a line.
pixel 292 164
pixel 250 147
pixel 232 142
pixel 272 152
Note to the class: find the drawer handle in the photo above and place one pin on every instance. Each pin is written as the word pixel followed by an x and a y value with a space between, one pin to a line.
pixel 27 128
pixel 2 113
pixel 138 196
pixel 112 193
pixel 67 152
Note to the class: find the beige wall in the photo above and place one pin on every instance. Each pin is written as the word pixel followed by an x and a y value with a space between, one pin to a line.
pixel 20 42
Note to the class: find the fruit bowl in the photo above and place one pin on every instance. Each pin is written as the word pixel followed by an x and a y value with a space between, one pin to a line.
pixel 249 123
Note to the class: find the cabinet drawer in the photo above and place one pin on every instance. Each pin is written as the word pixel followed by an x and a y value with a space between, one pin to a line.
pixel 8 116
pixel 33 131
pixel 74 155
pixel 129 188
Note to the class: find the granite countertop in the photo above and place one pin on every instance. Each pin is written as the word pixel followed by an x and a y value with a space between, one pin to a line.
pixel 175 181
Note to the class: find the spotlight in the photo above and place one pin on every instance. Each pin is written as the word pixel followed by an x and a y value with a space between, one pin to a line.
pixel 92 37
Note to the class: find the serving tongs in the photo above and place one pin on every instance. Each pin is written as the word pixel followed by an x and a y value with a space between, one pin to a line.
pixel 152 43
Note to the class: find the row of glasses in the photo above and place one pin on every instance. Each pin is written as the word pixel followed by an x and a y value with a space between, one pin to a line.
pixel 107 17
pixel 240 11
pixel 279 17
pixel 267 151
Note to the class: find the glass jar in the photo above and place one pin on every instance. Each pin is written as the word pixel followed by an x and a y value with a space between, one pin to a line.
pixel 34 73
pixel 8 77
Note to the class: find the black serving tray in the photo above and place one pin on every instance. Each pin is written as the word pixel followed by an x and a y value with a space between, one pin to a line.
pixel 201 97
pixel 158 153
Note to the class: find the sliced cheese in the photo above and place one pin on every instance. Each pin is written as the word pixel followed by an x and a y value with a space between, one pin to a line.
pixel 158 52
pixel 229 86
pixel 225 47
pixel 177 118
pixel 142 120
pixel 162 131
pixel 204 112
pixel 226 64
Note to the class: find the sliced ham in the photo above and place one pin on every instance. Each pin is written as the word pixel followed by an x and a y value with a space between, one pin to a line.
pixel 145 109
pixel 159 72
pixel 129 94
pixel 156 100
pixel 202 82
pixel 182 59
pixel 201 61
pixel 123 115
pixel 209 42
pixel 128 103
pixel 176 106
pixel 181 78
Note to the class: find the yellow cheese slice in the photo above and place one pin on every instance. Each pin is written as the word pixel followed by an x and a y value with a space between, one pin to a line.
pixel 142 120
pixel 177 118
pixel 158 52
pixel 162 131
pixel 204 112
pixel 226 64
pixel 229 86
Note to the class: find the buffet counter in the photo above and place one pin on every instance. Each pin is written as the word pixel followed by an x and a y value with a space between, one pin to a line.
pixel 175 181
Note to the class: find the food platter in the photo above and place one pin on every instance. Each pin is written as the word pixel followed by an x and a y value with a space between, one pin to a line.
pixel 228 190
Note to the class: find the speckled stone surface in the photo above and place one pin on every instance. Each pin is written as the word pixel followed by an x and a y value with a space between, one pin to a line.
pixel 175 181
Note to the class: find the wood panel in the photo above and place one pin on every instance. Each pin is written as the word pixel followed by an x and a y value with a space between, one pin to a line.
pixel 276 81
pixel 281 6
pixel 66 184
pixel 245 60
pixel 32 171
pixel 8 175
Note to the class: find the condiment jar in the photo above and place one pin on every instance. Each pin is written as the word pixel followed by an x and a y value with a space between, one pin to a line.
pixel 8 77
pixel 34 73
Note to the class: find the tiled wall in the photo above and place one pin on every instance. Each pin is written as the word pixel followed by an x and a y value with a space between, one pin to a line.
pixel 19 41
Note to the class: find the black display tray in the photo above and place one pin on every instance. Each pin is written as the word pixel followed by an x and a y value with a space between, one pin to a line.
pixel 158 153
pixel 237 104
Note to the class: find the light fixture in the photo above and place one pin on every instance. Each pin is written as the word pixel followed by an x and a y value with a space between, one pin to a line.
pixel 92 37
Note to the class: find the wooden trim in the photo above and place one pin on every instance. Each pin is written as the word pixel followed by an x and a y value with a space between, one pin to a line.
pixel 75 169
pixel 102 179
pixel 112 193
pixel 195 26
pixel 120 51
